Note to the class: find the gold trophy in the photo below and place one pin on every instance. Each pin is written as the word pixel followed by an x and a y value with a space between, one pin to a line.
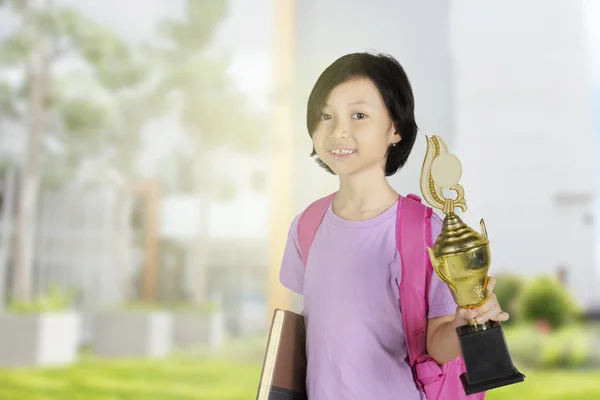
pixel 461 258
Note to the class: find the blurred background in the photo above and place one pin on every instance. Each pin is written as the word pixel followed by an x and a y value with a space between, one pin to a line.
pixel 153 154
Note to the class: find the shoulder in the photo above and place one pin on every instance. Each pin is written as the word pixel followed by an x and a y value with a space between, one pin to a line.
pixel 318 206
pixel 308 220
pixel 419 206
pixel 293 230
pixel 311 216
pixel 291 273
pixel 435 222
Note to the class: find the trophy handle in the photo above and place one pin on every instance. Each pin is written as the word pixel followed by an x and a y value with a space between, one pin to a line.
pixel 440 270
pixel 483 230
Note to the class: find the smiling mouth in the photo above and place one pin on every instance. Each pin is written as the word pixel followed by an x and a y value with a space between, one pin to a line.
pixel 342 152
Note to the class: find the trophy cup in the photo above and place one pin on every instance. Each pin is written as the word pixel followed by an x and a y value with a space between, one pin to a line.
pixel 461 258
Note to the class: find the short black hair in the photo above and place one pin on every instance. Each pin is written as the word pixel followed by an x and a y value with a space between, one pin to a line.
pixel 389 77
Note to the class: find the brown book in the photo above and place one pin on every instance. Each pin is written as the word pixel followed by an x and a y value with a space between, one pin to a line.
pixel 283 374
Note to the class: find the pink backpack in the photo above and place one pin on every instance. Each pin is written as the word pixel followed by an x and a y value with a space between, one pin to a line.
pixel 413 231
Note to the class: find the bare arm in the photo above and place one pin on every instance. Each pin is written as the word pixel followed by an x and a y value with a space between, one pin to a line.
pixel 442 340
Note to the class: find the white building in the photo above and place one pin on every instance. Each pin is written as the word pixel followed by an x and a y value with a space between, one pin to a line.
pixel 524 131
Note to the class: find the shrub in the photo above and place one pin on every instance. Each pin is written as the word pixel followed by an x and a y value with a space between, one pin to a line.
pixel 525 345
pixel 57 299
pixel 569 347
pixel 546 299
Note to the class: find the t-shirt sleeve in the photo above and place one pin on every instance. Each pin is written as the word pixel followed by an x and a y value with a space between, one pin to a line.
pixel 291 274
pixel 441 301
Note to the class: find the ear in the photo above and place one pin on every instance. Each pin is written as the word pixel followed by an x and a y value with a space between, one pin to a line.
pixel 396 138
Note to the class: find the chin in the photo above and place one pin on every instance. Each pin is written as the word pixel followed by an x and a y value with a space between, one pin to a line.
pixel 349 171
pixel 344 170
pixel 337 167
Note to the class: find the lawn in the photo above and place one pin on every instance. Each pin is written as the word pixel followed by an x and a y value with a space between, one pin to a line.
pixel 178 378
pixel 552 385
pixel 200 378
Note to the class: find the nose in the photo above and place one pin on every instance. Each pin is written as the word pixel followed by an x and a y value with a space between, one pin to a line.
pixel 339 130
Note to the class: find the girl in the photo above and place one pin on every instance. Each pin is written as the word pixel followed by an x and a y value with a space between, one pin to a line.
pixel 361 120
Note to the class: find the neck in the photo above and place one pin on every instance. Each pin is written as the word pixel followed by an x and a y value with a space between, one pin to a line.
pixel 365 192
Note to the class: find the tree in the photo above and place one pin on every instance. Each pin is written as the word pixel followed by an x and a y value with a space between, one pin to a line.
pixel 210 108
pixel 80 119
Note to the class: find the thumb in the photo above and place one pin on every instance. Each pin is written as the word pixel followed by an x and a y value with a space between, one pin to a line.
pixel 491 284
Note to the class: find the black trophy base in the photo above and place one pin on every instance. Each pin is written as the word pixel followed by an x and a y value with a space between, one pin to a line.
pixel 494 383
pixel 487 359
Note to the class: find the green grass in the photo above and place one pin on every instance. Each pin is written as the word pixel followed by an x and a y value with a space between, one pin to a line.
pixel 178 378
pixel 552 385
pixel 187 377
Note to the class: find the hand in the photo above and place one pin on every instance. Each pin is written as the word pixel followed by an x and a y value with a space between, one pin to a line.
pixel 490 310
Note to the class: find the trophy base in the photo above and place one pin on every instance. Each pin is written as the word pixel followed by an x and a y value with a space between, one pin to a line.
pixel 487 359
pixel 471 388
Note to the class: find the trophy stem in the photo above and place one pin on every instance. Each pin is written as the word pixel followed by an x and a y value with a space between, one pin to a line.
pixel 475 327
pixel 449 207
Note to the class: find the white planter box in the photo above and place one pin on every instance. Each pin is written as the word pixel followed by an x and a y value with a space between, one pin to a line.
pixel 48 339
pixel 193 329
pixel 133 334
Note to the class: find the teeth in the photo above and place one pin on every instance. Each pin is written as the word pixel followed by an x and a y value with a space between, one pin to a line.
pixel 340 152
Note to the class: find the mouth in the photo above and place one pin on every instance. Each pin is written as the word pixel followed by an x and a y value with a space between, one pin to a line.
pixel 342 152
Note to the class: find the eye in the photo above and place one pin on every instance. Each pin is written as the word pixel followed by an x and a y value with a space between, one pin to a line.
pixel 324 117
pixel 358 116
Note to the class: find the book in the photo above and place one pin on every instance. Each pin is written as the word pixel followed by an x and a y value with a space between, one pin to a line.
pixel 283 375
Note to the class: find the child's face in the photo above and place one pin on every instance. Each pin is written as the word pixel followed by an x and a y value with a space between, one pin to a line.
pixel 355 129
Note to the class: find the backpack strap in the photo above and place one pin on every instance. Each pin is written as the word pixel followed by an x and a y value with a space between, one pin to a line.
pixel 413 236
pixel 309 223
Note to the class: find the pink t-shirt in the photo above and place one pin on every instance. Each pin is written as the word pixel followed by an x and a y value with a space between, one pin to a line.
pixel 355 340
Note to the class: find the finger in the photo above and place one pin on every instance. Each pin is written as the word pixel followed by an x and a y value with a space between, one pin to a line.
pixel 491 284
pixel 492 313
pixel 466 314
pixel 491 302
pixel 503 316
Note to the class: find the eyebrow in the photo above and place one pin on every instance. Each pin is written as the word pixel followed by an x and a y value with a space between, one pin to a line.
pixel 350 104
